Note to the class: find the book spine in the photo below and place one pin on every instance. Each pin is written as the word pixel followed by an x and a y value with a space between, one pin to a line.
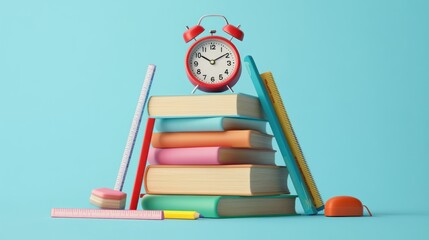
pixel 216 180
pixel 239 139
pixel 207 105
pixel 184 156
pixel 189 124
pixel 205 205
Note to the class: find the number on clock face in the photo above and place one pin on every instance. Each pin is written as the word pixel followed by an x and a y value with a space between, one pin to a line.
pixel 212 61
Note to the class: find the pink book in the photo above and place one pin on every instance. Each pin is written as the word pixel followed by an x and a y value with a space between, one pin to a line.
pixel 210 156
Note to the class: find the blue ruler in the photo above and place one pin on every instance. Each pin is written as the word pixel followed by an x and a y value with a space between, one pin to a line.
pixel 275 112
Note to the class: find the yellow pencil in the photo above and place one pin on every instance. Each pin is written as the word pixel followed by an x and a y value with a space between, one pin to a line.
pixel 190 215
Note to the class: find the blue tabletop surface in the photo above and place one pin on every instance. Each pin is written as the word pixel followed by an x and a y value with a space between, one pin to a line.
pixel 353 75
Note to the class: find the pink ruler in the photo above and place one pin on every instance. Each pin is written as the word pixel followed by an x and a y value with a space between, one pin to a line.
pixel 107 214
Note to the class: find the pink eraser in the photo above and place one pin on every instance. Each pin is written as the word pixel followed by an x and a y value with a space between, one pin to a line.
pixel 107 193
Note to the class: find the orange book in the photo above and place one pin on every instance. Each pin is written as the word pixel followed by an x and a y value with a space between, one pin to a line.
pixel 234 139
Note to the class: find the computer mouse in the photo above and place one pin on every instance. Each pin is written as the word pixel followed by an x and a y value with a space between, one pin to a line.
pixel 344 206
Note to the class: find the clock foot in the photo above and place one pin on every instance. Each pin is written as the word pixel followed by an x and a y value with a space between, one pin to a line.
pixel 230 89
pixel 195 89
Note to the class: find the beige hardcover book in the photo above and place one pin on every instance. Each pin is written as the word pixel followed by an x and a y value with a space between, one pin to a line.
pixel 230 105
pixel 236 180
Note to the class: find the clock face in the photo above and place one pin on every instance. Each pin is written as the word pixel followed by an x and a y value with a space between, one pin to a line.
pixel 213 61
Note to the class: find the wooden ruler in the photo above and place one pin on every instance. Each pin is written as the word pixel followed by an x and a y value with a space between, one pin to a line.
pixel 290 149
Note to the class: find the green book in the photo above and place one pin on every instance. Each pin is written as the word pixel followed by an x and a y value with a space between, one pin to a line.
pixel 223 206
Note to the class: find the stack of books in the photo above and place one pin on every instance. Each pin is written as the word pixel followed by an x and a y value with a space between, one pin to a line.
pixel 211 154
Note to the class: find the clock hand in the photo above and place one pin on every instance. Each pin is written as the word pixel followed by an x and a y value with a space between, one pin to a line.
pixel 205 58
pixel 221 56
pixel 212 62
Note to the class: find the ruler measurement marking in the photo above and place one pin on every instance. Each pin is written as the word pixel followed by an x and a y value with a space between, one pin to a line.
pixel 291 136
pixel 297 171
pixel 107 214
pixel 134 128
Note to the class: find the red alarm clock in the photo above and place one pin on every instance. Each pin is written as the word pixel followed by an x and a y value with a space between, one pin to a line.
pixel 213 63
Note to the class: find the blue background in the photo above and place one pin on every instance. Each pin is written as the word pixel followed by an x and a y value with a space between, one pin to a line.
pixel 353 74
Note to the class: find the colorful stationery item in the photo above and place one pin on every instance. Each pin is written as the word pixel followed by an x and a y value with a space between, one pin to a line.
pixel 108 198
pixel 185 215
pixel 107 214
pixel 123 214
pixel 275 112
pixel 345 206
pixel 142 163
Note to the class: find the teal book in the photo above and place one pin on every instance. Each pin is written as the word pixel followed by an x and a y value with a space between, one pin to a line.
pixel 209 124
pixel 284 134
pixel 223 206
